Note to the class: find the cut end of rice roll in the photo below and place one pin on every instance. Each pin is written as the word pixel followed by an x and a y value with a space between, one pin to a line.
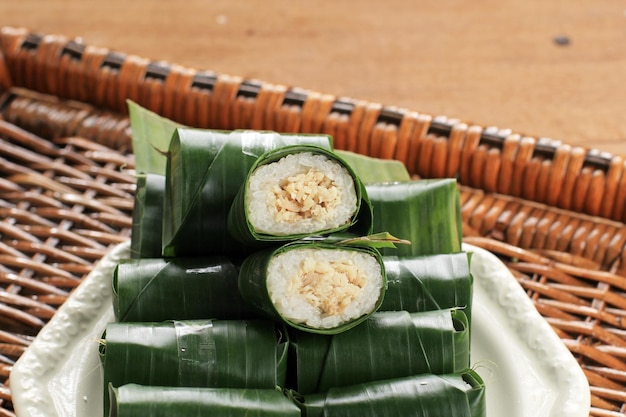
pixel 324 288
pixel 300 193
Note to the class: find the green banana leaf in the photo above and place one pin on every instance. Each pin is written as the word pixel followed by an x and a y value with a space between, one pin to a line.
pixel 145 241
pixel 159 289
pixel 425 283
pixel 152 133
pixel 151 136
pixel 195 353
pixel 460 395
pixel 134 400
pixel 374 170
pixel 387 345
pixel 425 212
pixel 240 227
pixel 256 272
pixel 205 170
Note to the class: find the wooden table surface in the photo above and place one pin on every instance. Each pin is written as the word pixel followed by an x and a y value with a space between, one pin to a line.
pixel 553 69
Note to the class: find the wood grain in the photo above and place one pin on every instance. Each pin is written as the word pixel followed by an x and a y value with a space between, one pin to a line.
pixel 552 69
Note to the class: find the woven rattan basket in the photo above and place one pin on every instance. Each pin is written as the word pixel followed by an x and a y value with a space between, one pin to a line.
pixel 552 213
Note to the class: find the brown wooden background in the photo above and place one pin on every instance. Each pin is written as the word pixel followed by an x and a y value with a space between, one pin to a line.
pixel 489 62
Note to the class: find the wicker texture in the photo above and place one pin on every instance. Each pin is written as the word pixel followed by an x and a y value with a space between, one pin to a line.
pixel 553 213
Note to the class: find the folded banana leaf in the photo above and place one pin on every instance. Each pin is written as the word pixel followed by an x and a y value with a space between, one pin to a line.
pixel 425 283
pixel 134 400
pixel 197 353
pixel 160 289
pixel 387 345
pixel 427 213
pixel 459 395
pixel 204 172
pixel 151 135
pixel 375 170
pixel 297 191
pixel 314 286
pixel 145 241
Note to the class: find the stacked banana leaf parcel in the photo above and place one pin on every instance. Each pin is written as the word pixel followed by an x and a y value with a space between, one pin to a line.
pixel 272 275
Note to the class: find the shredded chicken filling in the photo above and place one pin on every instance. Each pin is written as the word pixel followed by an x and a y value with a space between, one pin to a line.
pixel 304 196
pixel 329 287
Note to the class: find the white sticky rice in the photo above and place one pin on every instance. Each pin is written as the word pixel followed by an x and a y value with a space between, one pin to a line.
pixel 300 193
pixel 324 288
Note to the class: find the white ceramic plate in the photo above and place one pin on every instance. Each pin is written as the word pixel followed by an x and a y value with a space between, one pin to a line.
pixel 527 369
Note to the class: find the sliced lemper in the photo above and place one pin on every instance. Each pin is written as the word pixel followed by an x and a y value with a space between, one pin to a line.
pixel 242 228
pixel 204 172
pixel 258 270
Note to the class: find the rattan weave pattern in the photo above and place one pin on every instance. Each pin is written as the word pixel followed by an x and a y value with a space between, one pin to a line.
pixel 64 202
pixel 551 212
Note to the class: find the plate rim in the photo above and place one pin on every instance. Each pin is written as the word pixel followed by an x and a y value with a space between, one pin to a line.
pixel 572 392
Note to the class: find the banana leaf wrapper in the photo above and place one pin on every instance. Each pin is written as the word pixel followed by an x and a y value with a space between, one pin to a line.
pixel 160 289
pixel 314 287
pixel 387 345
pixel 375 170
pixel 299 191
pixel 151 135
pixel 134 400
pixel 460 395
pixel 425 283
pixel 427 213
pixel 145 241
pixel 204 172
pixel 196 353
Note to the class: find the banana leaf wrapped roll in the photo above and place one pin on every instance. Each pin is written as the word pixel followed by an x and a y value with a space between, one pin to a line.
pixel 204 172
pixel 425 212
pixel 145 241
pixel 195 353
pixel 387 345
pixel 297 191
pixel 425 283
pixel 460 395
pixel 160 289
pixel 134 400
pixel 314 286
